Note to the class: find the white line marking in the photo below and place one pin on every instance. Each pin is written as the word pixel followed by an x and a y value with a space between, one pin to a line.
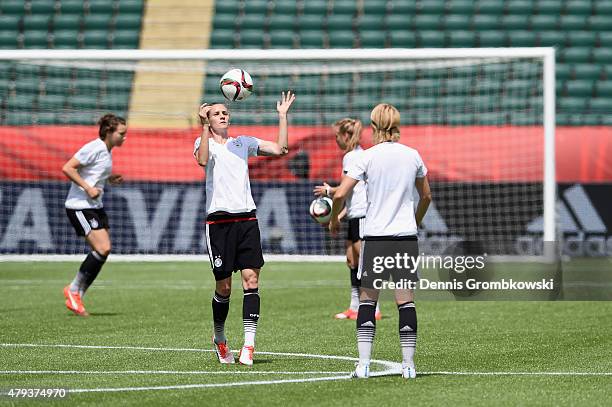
pixel 519 373
pixel 162 372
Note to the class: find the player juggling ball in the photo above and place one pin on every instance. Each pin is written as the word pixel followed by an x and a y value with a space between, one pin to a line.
pixel 232 231
pixel 391 172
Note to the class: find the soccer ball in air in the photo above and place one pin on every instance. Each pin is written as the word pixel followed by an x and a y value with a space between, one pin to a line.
pixel 236 84
pixel 321 209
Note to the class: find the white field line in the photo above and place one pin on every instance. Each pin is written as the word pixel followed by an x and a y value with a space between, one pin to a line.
pixel 161 372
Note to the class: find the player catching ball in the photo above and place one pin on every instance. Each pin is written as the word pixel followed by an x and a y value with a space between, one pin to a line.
pixel 391 171
pixel 89 170
pixel 348 136
pixel 232 231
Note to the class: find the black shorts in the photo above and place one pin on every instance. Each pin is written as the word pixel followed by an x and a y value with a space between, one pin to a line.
pixel 388 258
pixel 86 220
pixel 354 229
pixel 234 243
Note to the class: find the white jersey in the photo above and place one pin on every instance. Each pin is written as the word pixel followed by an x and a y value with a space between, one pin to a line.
pixel 356 201
pixel 96 166
pixel 389 170
pixel 228 188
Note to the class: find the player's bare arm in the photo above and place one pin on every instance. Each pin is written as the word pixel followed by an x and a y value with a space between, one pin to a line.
pixel 71 170
pixel 115 179
pixel 422 186
pixel 202 153
pixel 281 146
pixel 324 190
pixel 343 190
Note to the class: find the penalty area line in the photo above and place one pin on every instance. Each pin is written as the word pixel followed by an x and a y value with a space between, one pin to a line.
pixel 165 372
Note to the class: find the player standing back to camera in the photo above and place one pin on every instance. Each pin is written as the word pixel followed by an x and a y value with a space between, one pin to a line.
pixel 232 231
pixel 391 171
pixel 348 138
pixel 89 170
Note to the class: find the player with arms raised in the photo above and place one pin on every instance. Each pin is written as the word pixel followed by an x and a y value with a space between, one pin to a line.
pixel 89 170
pixel 232 231
pixel 391 171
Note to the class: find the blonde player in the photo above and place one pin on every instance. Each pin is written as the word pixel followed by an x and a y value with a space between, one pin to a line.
pixel 89 170
pixel 391 171
pixel 348 137
pixel 232 231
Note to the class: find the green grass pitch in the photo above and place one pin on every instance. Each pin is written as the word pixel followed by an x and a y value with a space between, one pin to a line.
pixel 165 307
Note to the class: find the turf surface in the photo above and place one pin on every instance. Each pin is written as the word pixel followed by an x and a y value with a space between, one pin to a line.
pixel 167 305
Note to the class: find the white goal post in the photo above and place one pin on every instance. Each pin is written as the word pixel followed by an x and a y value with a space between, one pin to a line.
pixel 296 61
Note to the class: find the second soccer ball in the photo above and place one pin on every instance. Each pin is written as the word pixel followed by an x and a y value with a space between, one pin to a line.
pixel 236 84
pixel 320 210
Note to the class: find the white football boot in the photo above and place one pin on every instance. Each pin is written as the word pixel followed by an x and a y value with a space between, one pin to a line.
pixel 361 371
pixel 408 372
pixel 246 355
pixel 223 351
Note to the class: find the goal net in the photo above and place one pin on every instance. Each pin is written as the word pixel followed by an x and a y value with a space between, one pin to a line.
pixel 482 119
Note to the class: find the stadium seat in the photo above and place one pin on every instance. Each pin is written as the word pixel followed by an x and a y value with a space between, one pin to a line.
pixel 312 39
pixel 127 21
pixel 84 101
pixel 587 71
pixel 65 39
pixel 461 38
pixel 571 22
pixel 435 7
pixel 544 22
pixel 552 39
pixel 582 38
pixel 95 39
pixel 51 102
pixel 492 38
pixel 315 8
pixel 133 6
pixel 100 7
pixel 344 7
pixel 9 23
pixel 431 39
pixel 222 7
pixel 372 38
pixel 485 22
pixel 402 39
pixel 251 39
pixel 599 23
pixel 404 7
pixel 520 7
pixel 286 7
pixel 310 22
pixel 44 7
pixel 603 7
pixel 12 7
pixel 251 22
pixel 575 54
pixel 522 38
pixel 461 7
pixel 341 39
pixel 36 22
pixel 35 39
pixel 398 22
pixel 281 22
pixel 371 23
pixel 601 105
pixel 224 21
pixel 457 22
pixel 96 22
pixel 489 7
pixel 376 8
pixel 125 39
pixel 427 22
pixel 338 22
pixel 282 39
pixel 603 55
pixel 552 7
pixel 579 7
pixel 571 104
pixel 514 22
pixel 257 7
pixel 67 22
pixel 72 7
pixel 27 85
pixel 562 71
pixel 222 38
pixel 85 85
pixel 604 89
pixel 580 88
